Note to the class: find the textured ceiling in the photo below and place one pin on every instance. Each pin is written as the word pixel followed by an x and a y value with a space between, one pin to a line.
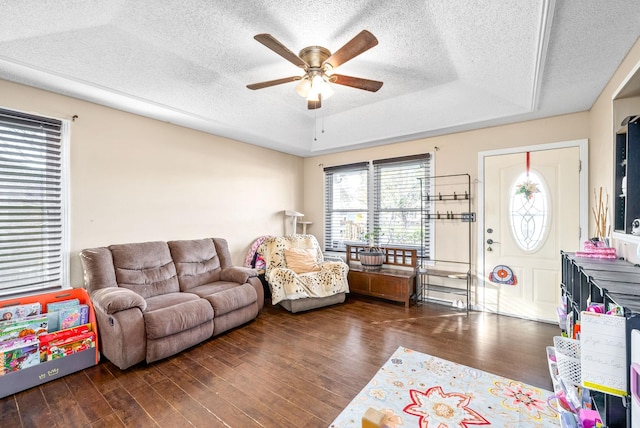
pixel 446 65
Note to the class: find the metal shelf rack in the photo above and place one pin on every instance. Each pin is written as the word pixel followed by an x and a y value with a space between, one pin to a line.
pixel 445 199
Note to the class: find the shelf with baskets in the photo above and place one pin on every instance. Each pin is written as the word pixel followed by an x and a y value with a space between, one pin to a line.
pixel 572 401
pixel 445 215
pixel 567 359
pixel 612 285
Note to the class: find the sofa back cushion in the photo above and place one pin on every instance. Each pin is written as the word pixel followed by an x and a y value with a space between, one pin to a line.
pixel 146 268
pixel 197 262
pixel 97 264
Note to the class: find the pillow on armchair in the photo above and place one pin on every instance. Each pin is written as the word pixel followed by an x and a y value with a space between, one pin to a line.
pixel 301 260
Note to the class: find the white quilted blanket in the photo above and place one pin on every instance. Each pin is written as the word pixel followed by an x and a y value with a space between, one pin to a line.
pixel 285 284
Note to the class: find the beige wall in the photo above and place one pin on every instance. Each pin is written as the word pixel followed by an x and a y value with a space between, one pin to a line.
pixel 136 179
pixel 456 154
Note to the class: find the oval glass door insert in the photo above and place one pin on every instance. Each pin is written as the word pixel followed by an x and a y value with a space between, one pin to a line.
pixel 529 211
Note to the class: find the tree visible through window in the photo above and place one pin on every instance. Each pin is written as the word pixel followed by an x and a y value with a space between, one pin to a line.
pixel 379 198
pixel 32 203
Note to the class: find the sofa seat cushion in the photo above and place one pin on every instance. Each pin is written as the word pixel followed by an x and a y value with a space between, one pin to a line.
pixel 212 288
pixel 226 297
pixel 175 312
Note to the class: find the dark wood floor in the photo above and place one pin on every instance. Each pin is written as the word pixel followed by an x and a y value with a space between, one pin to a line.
pixel 283 369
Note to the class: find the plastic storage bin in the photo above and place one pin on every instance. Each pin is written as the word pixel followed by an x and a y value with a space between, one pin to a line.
pixel 553 368
pixel 567 353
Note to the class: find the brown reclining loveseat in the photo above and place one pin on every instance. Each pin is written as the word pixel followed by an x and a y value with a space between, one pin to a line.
pixel 155 299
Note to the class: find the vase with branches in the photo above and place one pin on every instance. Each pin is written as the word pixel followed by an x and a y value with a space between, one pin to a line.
pixel 601 216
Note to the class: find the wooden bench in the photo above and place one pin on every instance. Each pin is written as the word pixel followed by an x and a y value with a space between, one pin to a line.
pixel 395 280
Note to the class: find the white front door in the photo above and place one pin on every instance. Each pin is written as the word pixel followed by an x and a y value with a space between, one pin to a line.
pixel 525 232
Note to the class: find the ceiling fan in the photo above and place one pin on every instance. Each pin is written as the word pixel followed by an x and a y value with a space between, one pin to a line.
pixel 318 64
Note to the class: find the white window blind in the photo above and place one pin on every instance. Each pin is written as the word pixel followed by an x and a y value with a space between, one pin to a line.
pixel 397 204
pixel 382 198
pixel 346 204
pixel 32 203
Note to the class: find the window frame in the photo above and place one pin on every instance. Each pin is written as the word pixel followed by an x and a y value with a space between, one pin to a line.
pixel 423 241
pixel 56 274
pixel 345 213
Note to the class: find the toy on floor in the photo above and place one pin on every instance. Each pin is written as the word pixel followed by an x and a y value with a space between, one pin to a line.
pixel 373 418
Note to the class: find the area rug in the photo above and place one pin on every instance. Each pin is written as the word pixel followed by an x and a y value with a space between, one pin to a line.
pixel 414 389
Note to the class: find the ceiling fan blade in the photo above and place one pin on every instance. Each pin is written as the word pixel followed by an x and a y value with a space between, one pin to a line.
pixel 354 47
pixel 356 82
pixel 268 83
pixel 269 41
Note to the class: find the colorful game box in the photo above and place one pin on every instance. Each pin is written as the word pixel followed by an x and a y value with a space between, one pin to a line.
pixel 60 336
pixel 32 325
pixel 53 310
pixel 19 311
pixel 18 354
pixel 73 316
pixel 78 343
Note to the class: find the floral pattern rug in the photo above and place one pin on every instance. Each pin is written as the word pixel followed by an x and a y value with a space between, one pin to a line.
pixel 414 389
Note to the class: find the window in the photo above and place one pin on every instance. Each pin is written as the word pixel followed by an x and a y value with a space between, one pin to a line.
pixel 380 198
pixel 33 230
pixel 346 205
pixel 529 212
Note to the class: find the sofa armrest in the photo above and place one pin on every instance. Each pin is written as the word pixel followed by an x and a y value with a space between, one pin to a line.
pixel 237 274
pixel 115 299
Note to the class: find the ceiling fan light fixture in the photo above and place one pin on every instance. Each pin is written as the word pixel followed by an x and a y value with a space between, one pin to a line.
pixel 319 86
pixel 313 96
pixel 326 90
pixel 303 87
pixel 328 69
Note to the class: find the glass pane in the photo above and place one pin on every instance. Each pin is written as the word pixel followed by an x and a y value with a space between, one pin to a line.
pixel 398 204
pixel 399 186
pixel 346 228
pixel 529 213
pixel 400 228
pixel 349 190
pixel 346 210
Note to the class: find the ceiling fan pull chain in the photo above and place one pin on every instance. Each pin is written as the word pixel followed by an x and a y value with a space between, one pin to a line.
pixel 315 125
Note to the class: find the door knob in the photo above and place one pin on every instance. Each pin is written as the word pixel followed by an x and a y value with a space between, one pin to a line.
pixel 491 241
